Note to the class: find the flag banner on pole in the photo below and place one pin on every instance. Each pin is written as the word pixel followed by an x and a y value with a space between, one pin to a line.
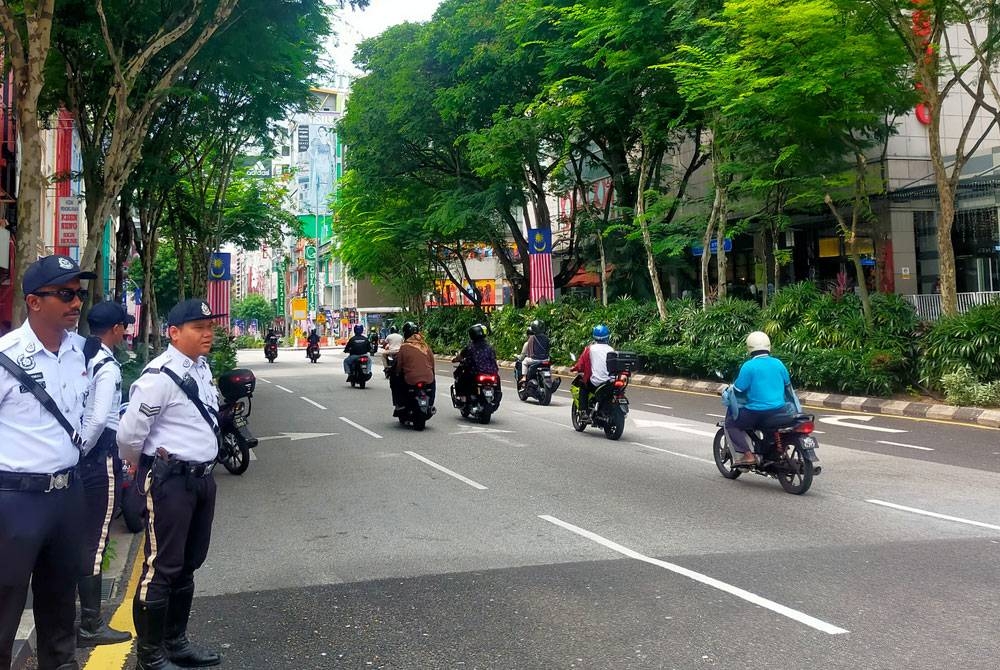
pixel 541 284
pixel 219 286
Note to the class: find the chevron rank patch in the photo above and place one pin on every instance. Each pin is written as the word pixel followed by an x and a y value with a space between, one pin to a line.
pixel 149 410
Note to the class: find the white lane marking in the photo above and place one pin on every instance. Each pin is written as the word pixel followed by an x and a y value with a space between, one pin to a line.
pixel 476 430
pixel 752 598
pixel 679 427
pixel 720 416
pixel 253 455
pixel 674 453
pixel 538 418
pixel 849 422
pixel 360 427
pixel 311 402
pixel 650 404
pixel 284 389
pixel 934 515
pixel 900 444
pixel 266 381
pixel 295 437
pixel 473 484
pixel 565 391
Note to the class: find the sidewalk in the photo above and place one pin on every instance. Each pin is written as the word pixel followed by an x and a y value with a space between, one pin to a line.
pixel 973 415
pixel 114 584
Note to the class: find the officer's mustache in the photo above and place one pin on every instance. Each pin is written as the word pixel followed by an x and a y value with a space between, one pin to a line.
pixel 72 312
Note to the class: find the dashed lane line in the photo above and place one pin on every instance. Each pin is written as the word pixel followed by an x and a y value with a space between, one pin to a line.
pixel 908 446
pixel 266 381
pixel 311 402
pixel 451 473
pixel 674 453
pixel 284 389
pixel 653 404
pixel 753 598
pixel 933 515
pixel 360 427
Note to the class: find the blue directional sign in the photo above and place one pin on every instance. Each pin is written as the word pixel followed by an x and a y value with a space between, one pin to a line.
pixel 713 247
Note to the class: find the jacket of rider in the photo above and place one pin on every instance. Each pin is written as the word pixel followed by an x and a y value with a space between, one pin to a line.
pixel 359 345
pixel 764 379
pixel 415 361
pixel 481 357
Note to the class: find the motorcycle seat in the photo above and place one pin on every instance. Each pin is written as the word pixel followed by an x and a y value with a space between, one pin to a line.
pixel 782 421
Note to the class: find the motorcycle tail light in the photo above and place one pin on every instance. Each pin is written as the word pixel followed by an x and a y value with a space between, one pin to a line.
pixel 805 427
pixel 364 359
pixel 420 385
pixel 487 379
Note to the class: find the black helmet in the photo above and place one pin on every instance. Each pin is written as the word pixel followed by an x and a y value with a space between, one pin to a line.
pixel 393 329
pixel 410 329
pixel 537 327
pixel 477 332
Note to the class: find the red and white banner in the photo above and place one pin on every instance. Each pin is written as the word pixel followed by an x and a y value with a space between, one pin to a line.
pixel 218 299
pixel 68 229
pixel 541 287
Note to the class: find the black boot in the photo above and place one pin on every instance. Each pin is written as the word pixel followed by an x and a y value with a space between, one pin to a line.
pixel 179 647
pixel 150 624
pixel 93 630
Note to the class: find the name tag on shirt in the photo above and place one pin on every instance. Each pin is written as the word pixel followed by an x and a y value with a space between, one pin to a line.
pixel 38 377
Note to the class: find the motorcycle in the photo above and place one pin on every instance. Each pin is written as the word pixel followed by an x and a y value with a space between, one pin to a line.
pixel 235 439
pixel 610 406
pixel 538 382
pixel 418 406
pixel 271 350
pixel 361 371
pixel 786 450
pixel 312 352
pixel 483 401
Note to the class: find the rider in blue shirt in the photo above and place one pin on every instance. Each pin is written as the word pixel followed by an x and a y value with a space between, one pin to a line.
pixel 761 388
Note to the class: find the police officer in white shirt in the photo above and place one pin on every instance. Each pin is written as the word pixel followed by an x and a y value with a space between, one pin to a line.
pixel 98 473
pixel 174 441
pixel 41 498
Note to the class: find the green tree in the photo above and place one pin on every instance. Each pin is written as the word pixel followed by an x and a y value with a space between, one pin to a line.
pixel 254 307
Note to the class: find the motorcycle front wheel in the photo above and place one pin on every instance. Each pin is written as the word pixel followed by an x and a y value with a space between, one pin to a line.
pixel 723 456
pixel 233 454
pixel 798 476
pixel 616 424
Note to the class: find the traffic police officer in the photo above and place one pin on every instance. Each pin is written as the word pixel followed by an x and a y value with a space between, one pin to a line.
pixel 170 429
pixel 41 497
pixel 98 474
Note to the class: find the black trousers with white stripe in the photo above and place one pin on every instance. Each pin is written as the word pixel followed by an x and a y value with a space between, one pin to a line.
pixel 101 480
pixel 179 518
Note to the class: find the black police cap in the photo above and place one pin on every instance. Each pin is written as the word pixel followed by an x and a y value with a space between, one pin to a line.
pixel 193 309
pixel 108 314
pixel 52 271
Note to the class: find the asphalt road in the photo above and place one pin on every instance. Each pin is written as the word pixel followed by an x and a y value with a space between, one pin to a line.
pixel 354 543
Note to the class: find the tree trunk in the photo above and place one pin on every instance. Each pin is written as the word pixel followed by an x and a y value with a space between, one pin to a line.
pixel 645 169
pixel 706 245
pixel 123 247
pixel 721 260
pixel 30 196
pixel 604 269
pixel 946 213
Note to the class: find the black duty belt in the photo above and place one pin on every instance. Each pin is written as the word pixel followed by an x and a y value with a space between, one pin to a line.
pixel 172 466
pixel 37 483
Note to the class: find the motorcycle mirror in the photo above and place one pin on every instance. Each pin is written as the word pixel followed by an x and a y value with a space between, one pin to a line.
pixel 718 374
pixel 573 357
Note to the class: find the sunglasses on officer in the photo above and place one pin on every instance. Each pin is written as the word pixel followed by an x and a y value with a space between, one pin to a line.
pixel 66 295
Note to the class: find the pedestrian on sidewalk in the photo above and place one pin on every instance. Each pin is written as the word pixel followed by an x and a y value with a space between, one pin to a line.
pixel 171 430
pixel 43 382
pixel 108 321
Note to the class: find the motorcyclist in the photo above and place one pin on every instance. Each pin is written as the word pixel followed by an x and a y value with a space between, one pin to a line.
pixel 414 365
pixel 757 396
pixel 271 337
pixel 356 347
pixel 312 340
pixel 593 365
pixel 535 349
pixel 391 345
pixel 476 358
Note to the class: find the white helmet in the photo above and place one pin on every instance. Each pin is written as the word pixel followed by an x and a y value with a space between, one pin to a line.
pixel 758 341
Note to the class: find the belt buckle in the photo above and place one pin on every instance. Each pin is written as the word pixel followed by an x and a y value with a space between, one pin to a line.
pixel 58 481
pixel 208 468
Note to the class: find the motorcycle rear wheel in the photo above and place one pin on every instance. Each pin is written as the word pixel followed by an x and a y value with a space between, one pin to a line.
pixel 484 417
pixel 544 395
pixel 579 425
pixel 419 423
pixel 361 384
pixel 798 478
pixel 723 456
pixel 233 454
pixel 616 424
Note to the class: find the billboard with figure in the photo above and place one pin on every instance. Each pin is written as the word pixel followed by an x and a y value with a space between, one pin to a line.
pixel 317 162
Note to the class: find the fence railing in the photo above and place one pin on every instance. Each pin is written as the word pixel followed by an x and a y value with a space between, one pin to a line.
pixel 928 305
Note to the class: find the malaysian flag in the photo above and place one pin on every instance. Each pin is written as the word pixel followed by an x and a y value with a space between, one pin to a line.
pixel 219 286
pixel 540 282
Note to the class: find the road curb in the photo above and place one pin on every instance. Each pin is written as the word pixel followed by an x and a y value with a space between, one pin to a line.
pixel 887 406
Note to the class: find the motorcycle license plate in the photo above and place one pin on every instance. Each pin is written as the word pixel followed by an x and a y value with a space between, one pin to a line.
pixel 809 443
pixel 488 393
pixel 422 403
pixel 546 373
pixel 239 421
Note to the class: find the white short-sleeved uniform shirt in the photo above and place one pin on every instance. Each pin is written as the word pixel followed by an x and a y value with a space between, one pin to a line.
pixel 160 414
pixel 31 439
pixel 104 397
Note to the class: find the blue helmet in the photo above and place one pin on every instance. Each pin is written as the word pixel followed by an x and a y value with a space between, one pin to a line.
pixel 358 329
pixel 601 333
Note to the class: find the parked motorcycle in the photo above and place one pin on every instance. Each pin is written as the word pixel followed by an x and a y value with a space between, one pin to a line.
pixel 538 383
pixel 361 371
pixel 484 399
pixel 312 352
pixel 235 439
pixel 271 350
pixel 608 402
pixel 786 450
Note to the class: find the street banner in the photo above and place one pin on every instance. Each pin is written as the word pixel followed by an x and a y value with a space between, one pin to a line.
pixel 282 305
pixel 541 283
pixel 68 234
pixel 311 293
pixel 220 286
